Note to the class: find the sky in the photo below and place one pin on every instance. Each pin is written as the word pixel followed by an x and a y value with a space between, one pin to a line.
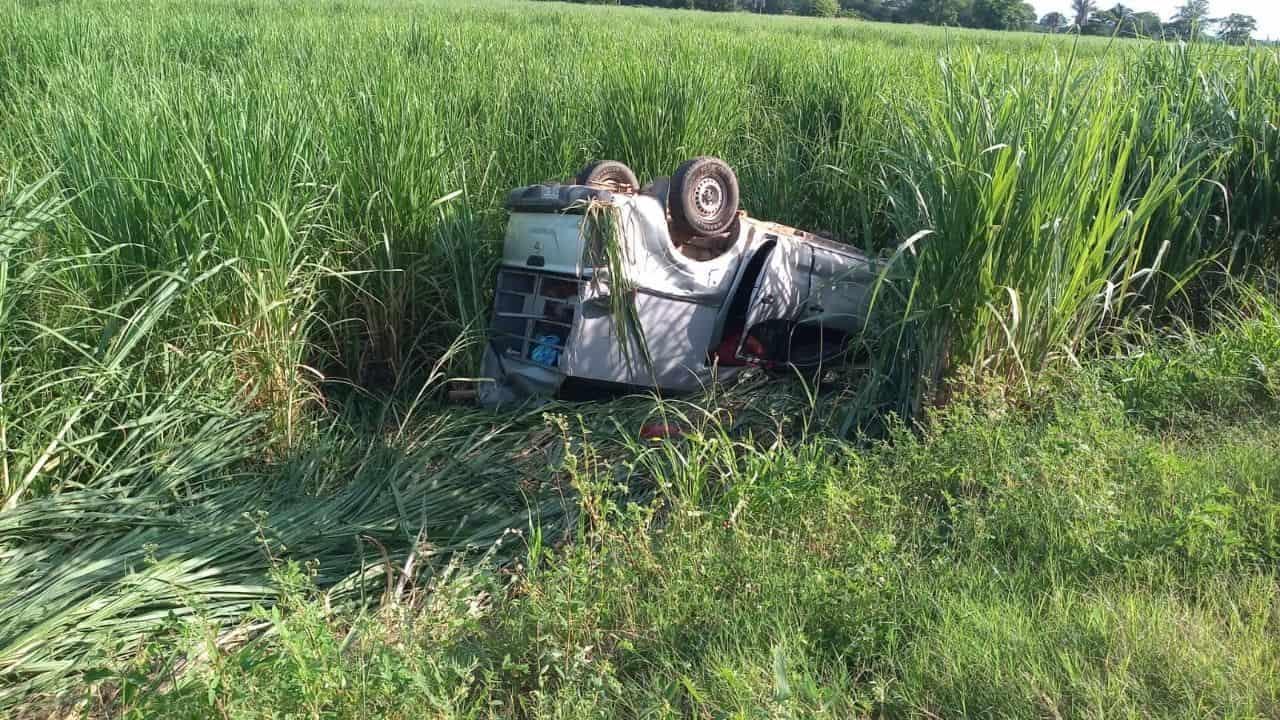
pixel 1267 12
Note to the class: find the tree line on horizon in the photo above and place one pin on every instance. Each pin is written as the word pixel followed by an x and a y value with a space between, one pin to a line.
pixel 1190 21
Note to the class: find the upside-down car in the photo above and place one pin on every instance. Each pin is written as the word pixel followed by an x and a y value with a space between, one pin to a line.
pixel 713 291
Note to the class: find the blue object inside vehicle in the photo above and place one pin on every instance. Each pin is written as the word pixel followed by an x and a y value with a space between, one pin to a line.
pixel 543 353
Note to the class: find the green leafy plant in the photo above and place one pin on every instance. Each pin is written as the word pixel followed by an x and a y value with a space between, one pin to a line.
pixel 610 258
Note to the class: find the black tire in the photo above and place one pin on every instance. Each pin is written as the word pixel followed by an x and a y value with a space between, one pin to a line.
pixel 603 172
pixel 703 198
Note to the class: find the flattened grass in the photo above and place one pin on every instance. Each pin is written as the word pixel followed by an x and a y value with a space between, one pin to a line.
pixel 1063 560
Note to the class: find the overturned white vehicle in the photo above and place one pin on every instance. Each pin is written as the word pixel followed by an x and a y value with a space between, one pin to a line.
pixel 680 290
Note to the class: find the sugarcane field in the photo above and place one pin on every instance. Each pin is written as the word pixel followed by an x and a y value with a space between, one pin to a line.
pixel 639 359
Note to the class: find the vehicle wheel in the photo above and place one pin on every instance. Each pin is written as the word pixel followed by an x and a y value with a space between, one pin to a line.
pixel 704 196
pixel 601 172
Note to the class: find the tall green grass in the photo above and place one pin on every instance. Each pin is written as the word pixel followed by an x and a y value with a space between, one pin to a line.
pixel 1050 174
pixel 226 225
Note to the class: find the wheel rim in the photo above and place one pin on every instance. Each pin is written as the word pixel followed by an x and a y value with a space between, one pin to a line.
pixel 708 197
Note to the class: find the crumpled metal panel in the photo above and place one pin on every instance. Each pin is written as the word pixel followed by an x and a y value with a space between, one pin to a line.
pixel 657 265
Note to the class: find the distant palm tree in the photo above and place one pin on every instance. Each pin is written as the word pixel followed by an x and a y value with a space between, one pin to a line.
pixel 1118 18
pixel 1120 12
pixel 1083 9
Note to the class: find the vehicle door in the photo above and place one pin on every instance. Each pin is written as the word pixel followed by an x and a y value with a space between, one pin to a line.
pixel 777 300
pixel 839 289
